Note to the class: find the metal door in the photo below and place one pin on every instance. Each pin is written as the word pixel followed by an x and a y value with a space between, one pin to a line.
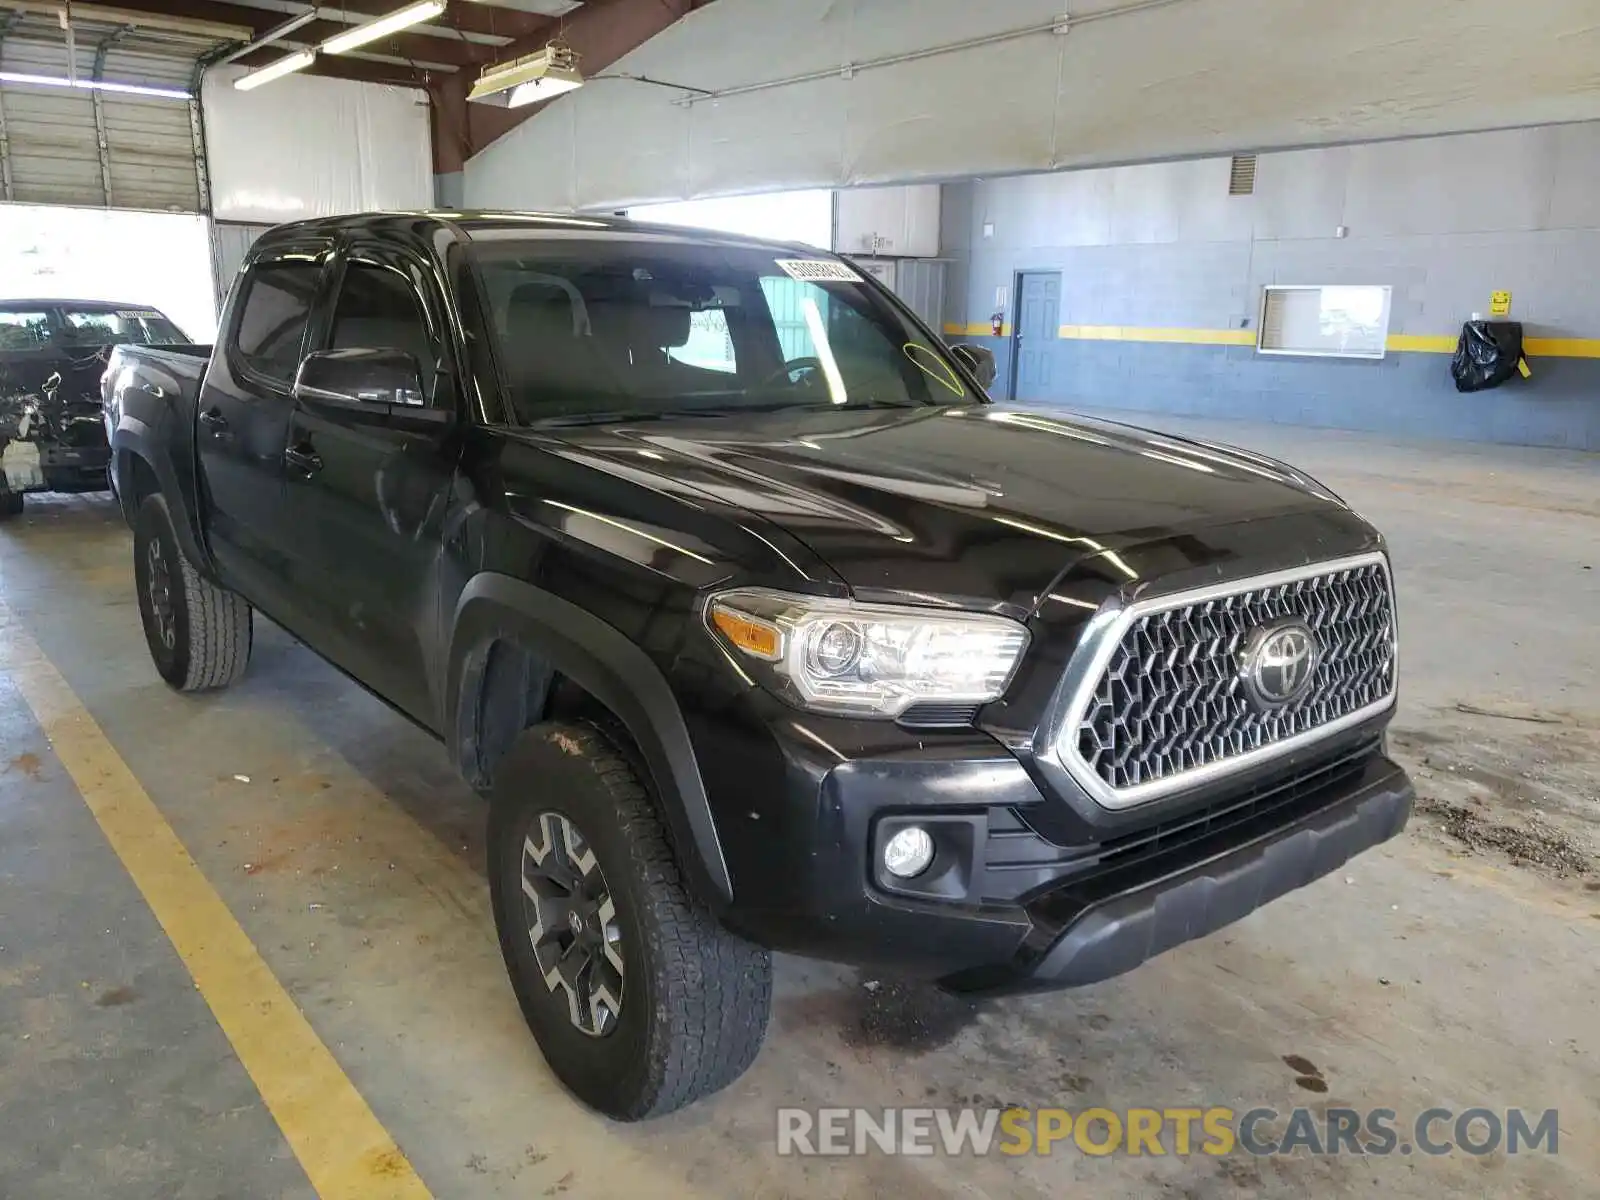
pixel 101 148
pixel 368 499
pixel 243 420
pixel 1034 334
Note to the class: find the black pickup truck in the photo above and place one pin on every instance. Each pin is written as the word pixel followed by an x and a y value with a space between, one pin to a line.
pixel 758 624
pixel 52 355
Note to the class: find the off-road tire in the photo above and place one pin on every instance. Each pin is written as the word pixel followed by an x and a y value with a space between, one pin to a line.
pixel 211 626
pixel 695 997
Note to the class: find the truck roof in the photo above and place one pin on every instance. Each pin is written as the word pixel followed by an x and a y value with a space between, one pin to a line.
pixel 467 225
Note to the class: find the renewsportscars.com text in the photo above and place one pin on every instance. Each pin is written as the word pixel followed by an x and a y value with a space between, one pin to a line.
pixel 1216 1131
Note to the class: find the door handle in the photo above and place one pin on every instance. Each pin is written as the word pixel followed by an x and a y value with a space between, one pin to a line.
pixel 303 459
pixel 215 423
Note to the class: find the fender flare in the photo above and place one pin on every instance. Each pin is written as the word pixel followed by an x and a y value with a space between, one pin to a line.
pixel 611 668
pixel 129 444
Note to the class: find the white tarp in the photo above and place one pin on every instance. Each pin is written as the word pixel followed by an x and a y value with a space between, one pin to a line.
pixel 1184 78
pixel 781 216
pixel 305 146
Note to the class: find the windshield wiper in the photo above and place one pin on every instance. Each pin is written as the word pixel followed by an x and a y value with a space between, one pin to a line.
pixel 611 417
pixel 625 416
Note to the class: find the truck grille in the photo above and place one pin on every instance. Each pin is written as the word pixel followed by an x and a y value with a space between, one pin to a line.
pixel 1166 705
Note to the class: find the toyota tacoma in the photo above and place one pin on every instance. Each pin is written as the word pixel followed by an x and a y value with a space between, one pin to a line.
pixel 759 625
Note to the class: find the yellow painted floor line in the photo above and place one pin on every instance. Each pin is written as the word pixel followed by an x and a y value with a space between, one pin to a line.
pixel 345 1151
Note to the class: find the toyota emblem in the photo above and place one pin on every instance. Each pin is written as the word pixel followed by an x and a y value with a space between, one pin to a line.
pixel 1278 662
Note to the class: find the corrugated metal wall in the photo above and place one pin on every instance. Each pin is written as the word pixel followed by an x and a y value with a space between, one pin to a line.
pixel 230 242
pixel 920 283
pixel 50 132
pixel 152 142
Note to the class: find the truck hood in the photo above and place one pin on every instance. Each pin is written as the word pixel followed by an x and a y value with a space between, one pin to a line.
pixel 981 506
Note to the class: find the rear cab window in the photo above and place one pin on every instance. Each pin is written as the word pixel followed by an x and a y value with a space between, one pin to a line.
pixel 271 326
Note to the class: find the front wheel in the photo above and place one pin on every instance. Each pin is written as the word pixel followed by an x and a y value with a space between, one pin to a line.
pixel 639 999
pixel 198 632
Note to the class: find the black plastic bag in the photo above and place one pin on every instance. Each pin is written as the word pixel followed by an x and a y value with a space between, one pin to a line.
pixel 1487 354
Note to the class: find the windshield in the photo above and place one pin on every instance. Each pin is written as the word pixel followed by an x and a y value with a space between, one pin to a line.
pixel 41 326
pixel 614 327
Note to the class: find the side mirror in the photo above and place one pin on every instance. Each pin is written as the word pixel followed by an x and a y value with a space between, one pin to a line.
pixel 979 360
pixel 369 387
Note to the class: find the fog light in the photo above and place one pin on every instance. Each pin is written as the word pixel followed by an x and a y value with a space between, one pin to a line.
pixel 908 852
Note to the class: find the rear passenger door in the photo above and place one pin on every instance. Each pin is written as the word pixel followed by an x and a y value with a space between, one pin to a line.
pixel 244 411
pixel 366 500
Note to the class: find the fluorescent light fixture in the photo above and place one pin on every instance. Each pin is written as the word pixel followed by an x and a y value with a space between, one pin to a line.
pixel 96 85
pixel 277 70
pixel 360 35
pixel 530 79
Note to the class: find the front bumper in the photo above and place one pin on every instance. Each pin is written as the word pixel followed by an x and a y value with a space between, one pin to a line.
pixel 75 468
pixel 1011 904
pixel 58 468
pixel 1114 934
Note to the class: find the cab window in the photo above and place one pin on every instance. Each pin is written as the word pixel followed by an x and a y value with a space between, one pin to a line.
pixel 272 323
pixel 378 309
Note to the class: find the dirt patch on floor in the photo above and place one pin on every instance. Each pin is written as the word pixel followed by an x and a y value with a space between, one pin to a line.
pixel 1495 781
pixel 29 764
pixel 1535 843
pixel 896 1014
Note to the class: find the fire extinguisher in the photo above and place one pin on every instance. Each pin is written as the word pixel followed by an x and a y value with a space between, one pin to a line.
pixel 998 323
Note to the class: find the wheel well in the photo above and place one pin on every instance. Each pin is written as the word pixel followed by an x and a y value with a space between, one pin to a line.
pixel 515 690
pixel 522 656
pixel 141 482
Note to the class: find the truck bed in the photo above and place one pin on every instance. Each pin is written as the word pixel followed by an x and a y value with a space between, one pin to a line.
pixel 150 395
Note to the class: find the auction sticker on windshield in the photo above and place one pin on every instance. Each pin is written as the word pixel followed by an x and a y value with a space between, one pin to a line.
pixel 817 270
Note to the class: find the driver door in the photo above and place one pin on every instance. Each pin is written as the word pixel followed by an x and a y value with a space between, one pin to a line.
pixel 366 499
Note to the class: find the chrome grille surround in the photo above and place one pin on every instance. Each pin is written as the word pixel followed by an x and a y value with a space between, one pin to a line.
pixel 1151 702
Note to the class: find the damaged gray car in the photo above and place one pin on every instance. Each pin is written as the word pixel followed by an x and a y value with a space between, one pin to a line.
pixel 52 354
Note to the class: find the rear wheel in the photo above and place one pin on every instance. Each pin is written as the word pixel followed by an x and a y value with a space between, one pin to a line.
pixel 639 999
pixel 10 505
pixel 198 633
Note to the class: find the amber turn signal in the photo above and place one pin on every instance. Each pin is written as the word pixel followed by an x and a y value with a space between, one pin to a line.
pixel 753 637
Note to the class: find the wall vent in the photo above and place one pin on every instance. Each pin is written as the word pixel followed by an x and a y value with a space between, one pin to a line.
pixel 1242 179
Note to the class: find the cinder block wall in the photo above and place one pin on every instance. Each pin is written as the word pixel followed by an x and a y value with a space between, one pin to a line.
pixel 1161 268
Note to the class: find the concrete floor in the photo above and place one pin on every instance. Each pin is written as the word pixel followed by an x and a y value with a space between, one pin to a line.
pixel 1436 971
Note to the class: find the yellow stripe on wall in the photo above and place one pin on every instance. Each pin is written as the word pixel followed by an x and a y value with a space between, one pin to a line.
pixel 1409 343
pixel 1423 343
pixel 1561 347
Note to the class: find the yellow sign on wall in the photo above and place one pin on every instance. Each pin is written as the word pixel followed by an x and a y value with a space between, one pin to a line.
pixel 1500 304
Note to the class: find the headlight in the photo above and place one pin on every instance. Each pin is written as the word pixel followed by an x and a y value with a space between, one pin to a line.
pixel 837 656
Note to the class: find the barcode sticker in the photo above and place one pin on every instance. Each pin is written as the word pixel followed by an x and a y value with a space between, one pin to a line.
pixel 138 314
pixel 818 270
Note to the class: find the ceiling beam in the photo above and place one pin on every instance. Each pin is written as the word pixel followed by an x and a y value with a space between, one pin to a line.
pixel 364 70
pixel 442 46
pixel 462 15
pixel 400 45
pixel 179 16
